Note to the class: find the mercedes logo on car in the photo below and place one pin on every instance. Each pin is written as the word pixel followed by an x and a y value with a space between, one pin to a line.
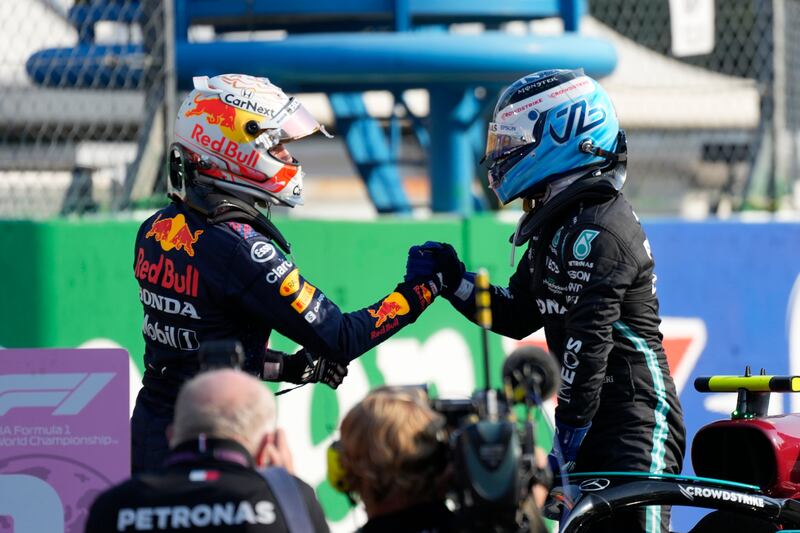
pixel 592 485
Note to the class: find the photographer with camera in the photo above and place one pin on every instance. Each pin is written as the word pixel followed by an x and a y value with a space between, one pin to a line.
pixel 393 451
pixel 403 455
pixel 223 433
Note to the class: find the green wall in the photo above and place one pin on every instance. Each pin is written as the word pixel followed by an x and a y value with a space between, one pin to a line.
pixel 69 282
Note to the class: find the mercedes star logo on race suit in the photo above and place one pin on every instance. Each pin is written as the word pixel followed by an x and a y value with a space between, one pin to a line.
pixel 591 485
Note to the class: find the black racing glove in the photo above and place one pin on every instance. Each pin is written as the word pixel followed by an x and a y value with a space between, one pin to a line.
pixel 303 367
pixel 434 258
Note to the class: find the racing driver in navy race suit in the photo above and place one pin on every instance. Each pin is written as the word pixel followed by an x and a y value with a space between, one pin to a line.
pixel 586 278
pixel 210 266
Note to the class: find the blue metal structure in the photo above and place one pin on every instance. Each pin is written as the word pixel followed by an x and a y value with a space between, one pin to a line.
pixel 349 46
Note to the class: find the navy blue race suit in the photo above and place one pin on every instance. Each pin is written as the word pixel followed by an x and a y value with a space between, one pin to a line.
pixel 587 278
pixel 200 282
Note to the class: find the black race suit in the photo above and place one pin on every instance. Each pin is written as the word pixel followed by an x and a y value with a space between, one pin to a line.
pixel 587 278
pixel 216 490
pixel 201 282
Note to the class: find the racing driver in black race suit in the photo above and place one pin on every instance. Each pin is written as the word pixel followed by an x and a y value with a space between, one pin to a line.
pixel 587 278
pixel 210 266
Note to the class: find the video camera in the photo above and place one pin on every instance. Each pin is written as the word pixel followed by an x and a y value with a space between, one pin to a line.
pixel 492 444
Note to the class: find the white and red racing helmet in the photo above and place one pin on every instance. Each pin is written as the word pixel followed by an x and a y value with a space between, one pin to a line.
pixel 237 125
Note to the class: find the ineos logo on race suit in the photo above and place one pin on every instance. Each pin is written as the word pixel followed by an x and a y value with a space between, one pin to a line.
pixel 215 515
pixel 166 304
pixel 569 363
pixel 261 252
pixel 180 339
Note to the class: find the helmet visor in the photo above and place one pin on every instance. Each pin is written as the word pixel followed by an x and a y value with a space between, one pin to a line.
pixel 293 121
pixel 504 139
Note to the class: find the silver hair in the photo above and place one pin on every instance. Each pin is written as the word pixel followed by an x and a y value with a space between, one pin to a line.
pixel 244 410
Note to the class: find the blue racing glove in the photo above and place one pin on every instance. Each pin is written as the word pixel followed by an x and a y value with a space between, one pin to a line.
pixel 434 258
pixel 561 460
pixel 566 443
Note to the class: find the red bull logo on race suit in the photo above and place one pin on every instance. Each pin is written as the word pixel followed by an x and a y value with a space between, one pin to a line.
pixel 391 306
pixel 174 233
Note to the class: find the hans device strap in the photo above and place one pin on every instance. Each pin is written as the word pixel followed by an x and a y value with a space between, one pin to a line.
pixel 289 499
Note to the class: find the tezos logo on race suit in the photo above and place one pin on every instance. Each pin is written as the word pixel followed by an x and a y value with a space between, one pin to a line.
pixel 174 233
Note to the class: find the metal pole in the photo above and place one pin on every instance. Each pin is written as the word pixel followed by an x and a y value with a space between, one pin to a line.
pixel 451 161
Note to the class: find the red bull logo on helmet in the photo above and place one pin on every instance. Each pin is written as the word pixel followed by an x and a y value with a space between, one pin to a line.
pixel 215 110
pixel 174 233
pixel 392 306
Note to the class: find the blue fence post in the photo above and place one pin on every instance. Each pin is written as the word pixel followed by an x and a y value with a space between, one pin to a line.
pixel 370 152
pixel 451 161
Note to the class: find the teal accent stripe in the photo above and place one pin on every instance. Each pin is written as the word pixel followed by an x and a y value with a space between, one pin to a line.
pixel 670 477
pixel 661 429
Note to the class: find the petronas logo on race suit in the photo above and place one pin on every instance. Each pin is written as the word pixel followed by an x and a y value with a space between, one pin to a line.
pixel 583 245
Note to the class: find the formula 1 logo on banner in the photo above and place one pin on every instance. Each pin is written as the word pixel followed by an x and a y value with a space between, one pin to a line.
pixel 684 341
pixel 69 392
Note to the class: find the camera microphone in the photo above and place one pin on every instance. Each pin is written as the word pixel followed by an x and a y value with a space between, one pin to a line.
pixel 531 372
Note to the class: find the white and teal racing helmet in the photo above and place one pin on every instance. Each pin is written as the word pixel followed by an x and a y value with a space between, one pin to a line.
pixel 548 125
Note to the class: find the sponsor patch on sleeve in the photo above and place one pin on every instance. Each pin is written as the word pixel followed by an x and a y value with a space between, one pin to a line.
pixel 583 244
pixel 393 305
pixel 304 298
pixel 291 284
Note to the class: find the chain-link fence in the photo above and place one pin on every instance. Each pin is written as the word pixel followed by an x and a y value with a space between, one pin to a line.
pixel 82 86
pixel 708 130
pixel 83 82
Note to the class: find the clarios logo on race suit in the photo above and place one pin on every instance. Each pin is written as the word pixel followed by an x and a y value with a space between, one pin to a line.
pixel 583 244
pixel 164 275
pixel 691 492
pixel 215 515
pixel 277 273
pixel 167 305
pixel 180 339
pixel 174 233
pixel 261 252
pixel 393 305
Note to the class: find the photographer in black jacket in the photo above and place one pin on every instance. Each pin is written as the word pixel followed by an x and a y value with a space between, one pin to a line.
pixel 224 431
